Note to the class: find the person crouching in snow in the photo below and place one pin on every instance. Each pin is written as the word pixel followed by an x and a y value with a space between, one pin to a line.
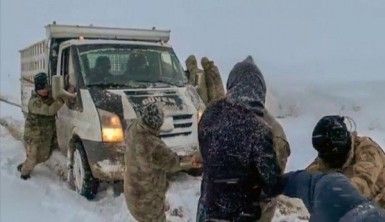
pixel 236 144
pixel 40 127
pixel 147 161
pixel 359 158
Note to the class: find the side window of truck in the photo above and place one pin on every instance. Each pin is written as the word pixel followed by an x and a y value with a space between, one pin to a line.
pixel 70 81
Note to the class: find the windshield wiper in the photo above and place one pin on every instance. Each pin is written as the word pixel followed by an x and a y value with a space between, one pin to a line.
pixel 134 84
pixel 98 85
pixel 117 85
pixel 170 83
pixel 158 83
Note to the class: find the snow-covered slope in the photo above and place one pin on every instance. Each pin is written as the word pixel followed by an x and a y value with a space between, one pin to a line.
pixel 303 104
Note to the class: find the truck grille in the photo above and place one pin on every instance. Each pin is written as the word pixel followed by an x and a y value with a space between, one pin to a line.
pixel 182 126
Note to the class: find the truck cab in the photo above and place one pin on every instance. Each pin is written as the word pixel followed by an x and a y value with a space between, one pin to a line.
pixel 114 73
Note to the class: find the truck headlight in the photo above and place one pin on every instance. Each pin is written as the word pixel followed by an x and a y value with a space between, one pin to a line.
pixel 112 130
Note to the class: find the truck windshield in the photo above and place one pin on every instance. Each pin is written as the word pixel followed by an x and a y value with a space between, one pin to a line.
pixel 114 65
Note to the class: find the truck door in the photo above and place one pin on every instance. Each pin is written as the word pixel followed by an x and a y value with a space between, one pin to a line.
pixel 65 121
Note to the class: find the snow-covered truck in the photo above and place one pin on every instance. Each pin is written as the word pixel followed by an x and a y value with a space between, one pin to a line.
pixel 114 72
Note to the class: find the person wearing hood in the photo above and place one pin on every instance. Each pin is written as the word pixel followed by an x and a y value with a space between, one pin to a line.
pixel 215 90
pixel 359 158
pixel 208 81
pixel 40 128
pixel 147 161
pixel 240 85
pixel 196 77
pixel 236 143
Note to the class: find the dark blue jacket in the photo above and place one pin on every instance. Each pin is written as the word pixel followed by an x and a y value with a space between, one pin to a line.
pixel 237 149
pixel 330 197
pixel 238 161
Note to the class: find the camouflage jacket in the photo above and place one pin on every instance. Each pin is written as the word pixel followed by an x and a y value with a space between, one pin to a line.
pixel 40 121
pixel 147 160
pixel 215 90
pixel 281 145
pixel 365 167
pixel 197 78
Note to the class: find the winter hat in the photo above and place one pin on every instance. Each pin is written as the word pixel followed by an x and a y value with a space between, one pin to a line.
pixel 152 116
pixel 332 139
pixel 191 62
pixel 206 63
pixel 246 85
pixel 40 80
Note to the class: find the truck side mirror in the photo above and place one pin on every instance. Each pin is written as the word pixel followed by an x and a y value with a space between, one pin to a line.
pixel 58 88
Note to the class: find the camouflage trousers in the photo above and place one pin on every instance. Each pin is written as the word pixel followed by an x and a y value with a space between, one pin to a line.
pixel 147 209
pixel 38 151
pixel 268 210
pixel 380 198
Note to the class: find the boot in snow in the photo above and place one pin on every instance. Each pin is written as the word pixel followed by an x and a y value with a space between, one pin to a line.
pixel 25 177
pixel 19 167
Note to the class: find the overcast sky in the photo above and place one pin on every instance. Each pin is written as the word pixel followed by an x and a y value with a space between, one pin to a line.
pixel 317 40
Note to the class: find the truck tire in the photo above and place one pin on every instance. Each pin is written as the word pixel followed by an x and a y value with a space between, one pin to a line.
pixel 80 175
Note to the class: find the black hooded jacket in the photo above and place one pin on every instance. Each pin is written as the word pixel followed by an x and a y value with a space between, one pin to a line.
pixel 237 148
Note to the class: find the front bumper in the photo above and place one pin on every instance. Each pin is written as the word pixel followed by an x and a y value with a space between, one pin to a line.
pixel 106 160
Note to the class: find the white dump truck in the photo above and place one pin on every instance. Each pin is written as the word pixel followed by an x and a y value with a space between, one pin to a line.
pixel 114 72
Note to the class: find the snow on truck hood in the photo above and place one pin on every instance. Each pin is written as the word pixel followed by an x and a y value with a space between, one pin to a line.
pixel 127 103
pixel 174 100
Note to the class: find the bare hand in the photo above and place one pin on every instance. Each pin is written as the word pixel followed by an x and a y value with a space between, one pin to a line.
pixel 196 160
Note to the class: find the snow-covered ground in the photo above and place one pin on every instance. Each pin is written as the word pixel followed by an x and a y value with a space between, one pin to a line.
pixel 46 197
pixel 318 57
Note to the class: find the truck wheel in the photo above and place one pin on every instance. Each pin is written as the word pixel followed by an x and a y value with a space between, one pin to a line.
pixel 85 184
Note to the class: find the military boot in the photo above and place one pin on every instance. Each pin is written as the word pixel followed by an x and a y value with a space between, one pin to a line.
pixel 19 167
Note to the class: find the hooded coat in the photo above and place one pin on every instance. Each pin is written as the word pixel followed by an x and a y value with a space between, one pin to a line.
pixel 237 149
pixel 365 167
pixel 250 90
pixel 196 77
pixel 280 142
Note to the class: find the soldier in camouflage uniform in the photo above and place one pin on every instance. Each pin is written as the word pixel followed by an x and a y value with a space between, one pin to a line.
pixel 147 161
pixel 40 127
pixel 359 158
pixel 197 78
pixel 214 84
